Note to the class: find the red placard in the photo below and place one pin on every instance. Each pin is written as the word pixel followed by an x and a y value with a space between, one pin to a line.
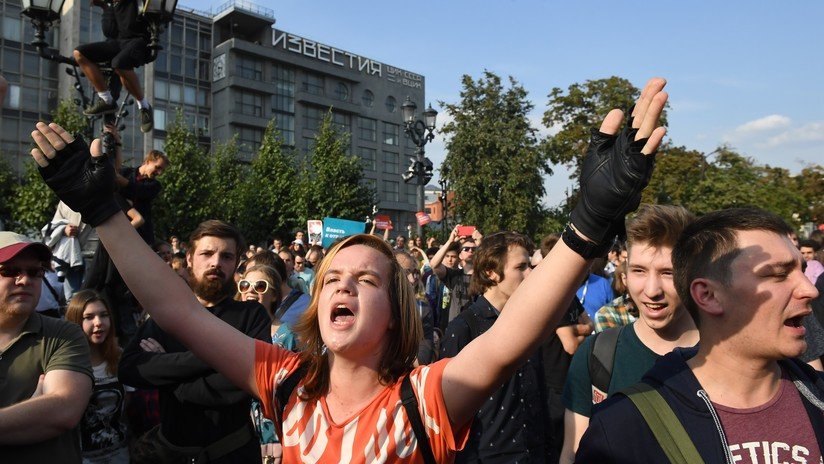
pixel 383 222
pixel 423 218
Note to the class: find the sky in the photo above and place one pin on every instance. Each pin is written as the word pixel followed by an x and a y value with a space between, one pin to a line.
pixel 749 74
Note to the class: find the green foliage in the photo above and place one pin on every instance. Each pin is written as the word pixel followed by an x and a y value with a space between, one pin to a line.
pixel 7 185
pixel 574 113
pixel 810 184
pixel 34 203
pixel 331 186
pixel 724 179
pixel 70 118
pixel 185 199
pixel 226 176
pixel 267 194
pixel 493 161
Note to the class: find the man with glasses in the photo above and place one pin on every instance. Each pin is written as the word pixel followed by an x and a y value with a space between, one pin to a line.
pixel 304 272
pixel 200 409
pixel 45 367
pixel 456 280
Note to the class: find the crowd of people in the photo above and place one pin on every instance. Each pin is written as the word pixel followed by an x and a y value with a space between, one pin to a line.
pixel 684 339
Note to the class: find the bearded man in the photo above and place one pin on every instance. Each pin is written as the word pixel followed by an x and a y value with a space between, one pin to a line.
pixel 202 415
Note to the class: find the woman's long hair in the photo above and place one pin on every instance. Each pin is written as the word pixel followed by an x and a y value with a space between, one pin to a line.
pixel 402 338
pixel 74 313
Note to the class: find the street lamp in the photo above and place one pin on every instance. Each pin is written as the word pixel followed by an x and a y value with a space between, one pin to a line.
pixel 156 13
pixel 42 14
pixel 421 132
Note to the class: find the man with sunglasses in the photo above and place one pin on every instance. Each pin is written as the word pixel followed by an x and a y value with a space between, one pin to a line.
pixel 456 280
pixel 45 367
pixel 304 272
pixel 200 410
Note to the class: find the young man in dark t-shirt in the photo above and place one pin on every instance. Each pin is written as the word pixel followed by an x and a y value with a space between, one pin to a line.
pixel 663 322
pixel 456 280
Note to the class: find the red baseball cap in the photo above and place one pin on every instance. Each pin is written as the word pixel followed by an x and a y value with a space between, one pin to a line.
pixel 12 244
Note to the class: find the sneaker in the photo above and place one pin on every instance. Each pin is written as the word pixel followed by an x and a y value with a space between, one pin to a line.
pixel 146 119
pixel 100 107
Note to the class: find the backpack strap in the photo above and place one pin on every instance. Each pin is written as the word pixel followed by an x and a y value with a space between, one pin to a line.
pixel 601 362
pixel 287 303
pixel 668 430
pixel 285 389
pixel 410 404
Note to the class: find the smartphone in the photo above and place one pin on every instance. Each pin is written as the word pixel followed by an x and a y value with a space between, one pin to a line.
pixel 465 231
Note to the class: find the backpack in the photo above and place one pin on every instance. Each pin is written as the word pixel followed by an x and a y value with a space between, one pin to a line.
pixel 410 404
pixel 601 362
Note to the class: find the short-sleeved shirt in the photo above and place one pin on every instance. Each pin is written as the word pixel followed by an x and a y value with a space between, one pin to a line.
pixel 45 344
pixel 789 438
pixel 380 432
pixel 632 360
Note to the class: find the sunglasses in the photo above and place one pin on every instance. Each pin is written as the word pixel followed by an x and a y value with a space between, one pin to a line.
pixel 259 286
pixel 469 249
pixel 16 272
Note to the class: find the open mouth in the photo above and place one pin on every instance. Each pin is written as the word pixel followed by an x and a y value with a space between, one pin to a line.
pixel 796 322
pixel 342 315
pixel 655 306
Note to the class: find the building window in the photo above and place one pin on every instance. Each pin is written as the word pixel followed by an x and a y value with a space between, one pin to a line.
pixel 390 162
pixel 159 119
pixel 203 125
pixel 249 68
pixel 368 129
pixel 286 127
pixel 390 190
pixel 13 97
pixel 391 134
pixel 368 98
pixel 249 103
pixel 161 89
pixel 284 80
pixel 369 158
pixel 313 83
pixel 342 92
pixel 12 28
pixel 341 122
pixel 312 118
pixel 391 104
pixel 249 139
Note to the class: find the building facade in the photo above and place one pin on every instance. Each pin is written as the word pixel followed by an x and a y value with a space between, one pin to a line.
pixel 229 73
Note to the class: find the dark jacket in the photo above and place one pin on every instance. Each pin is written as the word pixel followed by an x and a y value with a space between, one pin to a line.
pixel 511 426
pixel 618 434
pixel 198 406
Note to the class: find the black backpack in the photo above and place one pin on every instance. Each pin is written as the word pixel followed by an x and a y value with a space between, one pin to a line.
pixel 602 360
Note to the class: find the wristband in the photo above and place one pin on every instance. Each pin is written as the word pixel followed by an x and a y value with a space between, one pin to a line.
pixel 584 248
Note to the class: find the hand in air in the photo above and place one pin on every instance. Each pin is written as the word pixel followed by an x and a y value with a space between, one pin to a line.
pixel 81 178
pixel 618 165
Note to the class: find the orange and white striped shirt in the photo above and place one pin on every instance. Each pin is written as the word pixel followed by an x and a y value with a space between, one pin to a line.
pixel 379 433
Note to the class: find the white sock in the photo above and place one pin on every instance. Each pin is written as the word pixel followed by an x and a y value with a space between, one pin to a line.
pixel 143 104
pixel 106 96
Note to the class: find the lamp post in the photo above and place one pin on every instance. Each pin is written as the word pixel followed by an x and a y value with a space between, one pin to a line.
pixel 421 132
pixel 43 13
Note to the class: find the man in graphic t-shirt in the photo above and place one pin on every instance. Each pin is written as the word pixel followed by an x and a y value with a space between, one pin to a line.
pixel 741 395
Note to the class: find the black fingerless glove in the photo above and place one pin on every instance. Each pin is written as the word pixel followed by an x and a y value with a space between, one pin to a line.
pixel 612 177
pixel 84 183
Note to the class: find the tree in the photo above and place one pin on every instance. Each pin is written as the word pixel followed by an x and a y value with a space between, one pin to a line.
pixel 184 201
pixel 493 161
pixel 226 176
pixel 331 186
pixel 575 113
pixel 810 184
pixel 267 197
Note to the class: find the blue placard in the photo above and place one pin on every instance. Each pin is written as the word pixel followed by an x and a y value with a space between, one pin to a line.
pixel 334 229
